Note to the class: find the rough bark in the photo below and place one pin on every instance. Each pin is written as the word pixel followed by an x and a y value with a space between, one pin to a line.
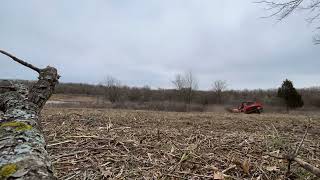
pixel 22 145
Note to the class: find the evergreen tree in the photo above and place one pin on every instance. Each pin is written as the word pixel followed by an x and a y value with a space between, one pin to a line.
pixel 290 95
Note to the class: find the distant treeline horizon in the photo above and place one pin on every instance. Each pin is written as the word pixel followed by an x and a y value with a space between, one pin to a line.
pixel 311 95
pixel 147 96
pixel 172 88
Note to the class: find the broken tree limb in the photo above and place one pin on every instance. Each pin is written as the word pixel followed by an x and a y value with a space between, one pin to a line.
pixel 314 170
pixel 20 61
pixel 292 157
pixel 22 145
pixel 41 91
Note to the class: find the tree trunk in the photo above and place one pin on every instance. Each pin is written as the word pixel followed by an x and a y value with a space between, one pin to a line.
pixel 22 145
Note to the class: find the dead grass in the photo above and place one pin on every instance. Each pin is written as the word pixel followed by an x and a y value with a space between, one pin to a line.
pixel 122 144
pixel 73 98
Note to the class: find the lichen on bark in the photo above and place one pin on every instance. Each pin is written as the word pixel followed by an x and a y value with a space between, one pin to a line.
pixel 7 170
pixel 18 126
pixel 22 145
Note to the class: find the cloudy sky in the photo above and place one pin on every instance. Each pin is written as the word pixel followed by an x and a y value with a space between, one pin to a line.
pixel 147 42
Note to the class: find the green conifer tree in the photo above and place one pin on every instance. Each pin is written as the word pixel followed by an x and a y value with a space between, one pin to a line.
pixel 290 95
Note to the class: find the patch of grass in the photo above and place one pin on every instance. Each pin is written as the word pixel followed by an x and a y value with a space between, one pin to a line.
pixel 276 143
pixel 303 174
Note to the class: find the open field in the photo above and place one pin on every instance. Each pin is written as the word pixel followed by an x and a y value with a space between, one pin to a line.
pixel 96 101
pixel 73 98
pixel 90 144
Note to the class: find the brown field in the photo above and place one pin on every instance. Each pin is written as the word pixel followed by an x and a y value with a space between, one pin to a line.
pixel 90 144
pixel 73 98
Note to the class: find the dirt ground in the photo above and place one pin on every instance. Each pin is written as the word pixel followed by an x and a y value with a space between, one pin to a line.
pixel 126 144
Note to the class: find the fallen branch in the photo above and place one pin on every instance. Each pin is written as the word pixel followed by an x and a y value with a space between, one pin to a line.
pixel 59 143
pixel 314 170
pixel 293 157
pixel 23 154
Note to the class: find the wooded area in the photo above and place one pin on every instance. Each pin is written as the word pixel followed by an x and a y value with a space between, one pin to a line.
pixel 156 99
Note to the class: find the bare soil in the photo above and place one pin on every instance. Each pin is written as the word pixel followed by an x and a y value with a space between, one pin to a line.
pixel 125 144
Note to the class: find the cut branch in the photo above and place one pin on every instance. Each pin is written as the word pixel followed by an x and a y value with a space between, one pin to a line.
pixel 20 61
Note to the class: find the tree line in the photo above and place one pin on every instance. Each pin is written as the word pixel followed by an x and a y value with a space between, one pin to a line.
pixel 186 92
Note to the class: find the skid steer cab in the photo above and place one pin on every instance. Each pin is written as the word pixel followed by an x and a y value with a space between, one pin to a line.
pixel 249 107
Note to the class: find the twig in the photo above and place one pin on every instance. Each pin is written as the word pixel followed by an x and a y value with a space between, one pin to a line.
pixel 291 157
pixel 55 144
pixel 193 174
pixel 93 137
pixel 20 61
pixel 274 156
pixel 203 176
pixel 275 129
pixel 170 154
pixel 302 140
pixel 229 168
pixel 70 154
pixel 72 176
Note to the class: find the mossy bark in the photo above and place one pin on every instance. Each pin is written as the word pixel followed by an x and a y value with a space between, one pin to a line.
pixel 22 145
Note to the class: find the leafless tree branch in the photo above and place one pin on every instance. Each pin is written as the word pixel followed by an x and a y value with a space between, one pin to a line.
pixel 20 61
pixel 218 87
pixel 283 8
pixel 186 84
pixel 113 88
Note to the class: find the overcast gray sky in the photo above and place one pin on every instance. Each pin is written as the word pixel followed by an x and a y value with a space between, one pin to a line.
pixel 146 42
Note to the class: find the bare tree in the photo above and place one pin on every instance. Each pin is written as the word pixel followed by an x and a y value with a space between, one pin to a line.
pixel 218 87
pixel 186 84
pixel 113 88
pixel 178 82
pixel 284 8
pixel 23 154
